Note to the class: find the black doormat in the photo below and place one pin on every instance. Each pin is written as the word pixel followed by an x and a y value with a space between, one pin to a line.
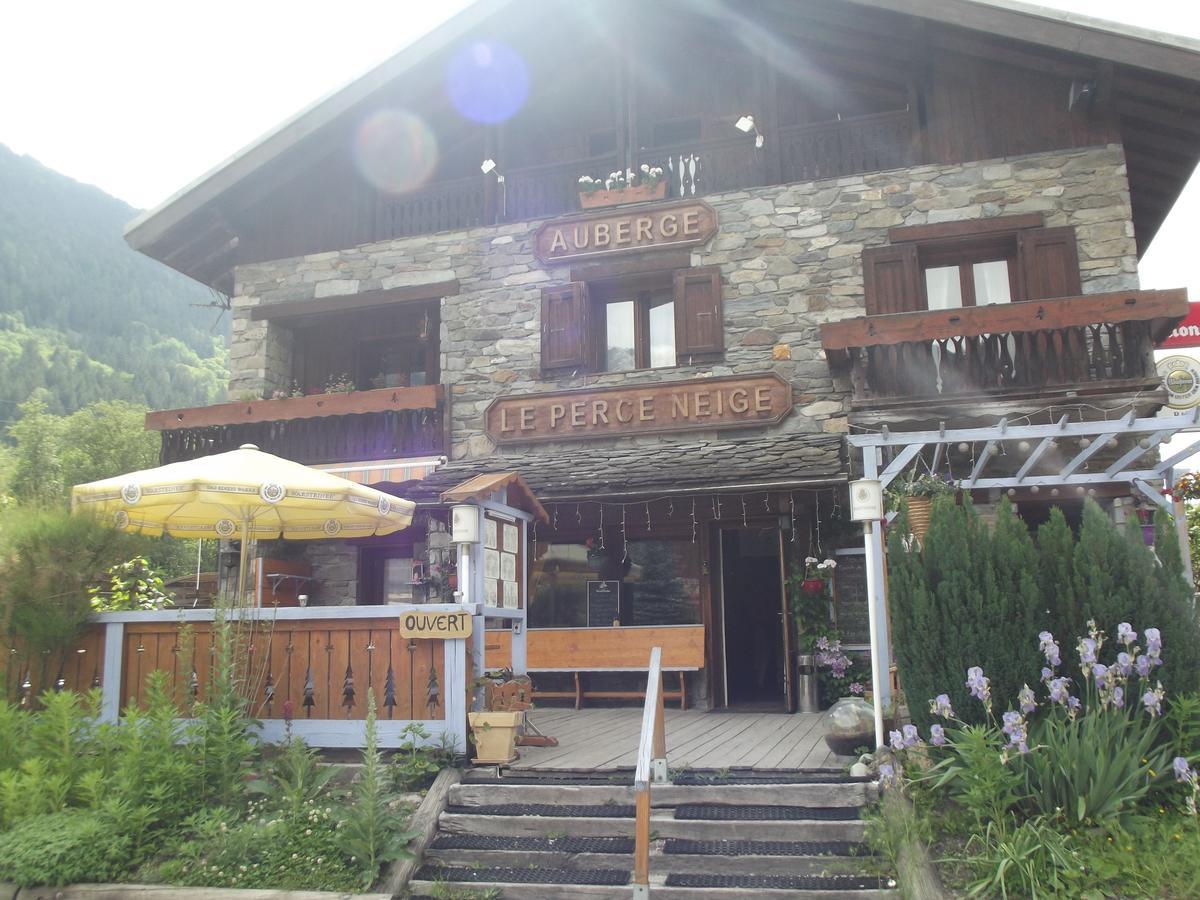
pixel 522 875
pixel 786 882
pixel 730 813
pixel 682 847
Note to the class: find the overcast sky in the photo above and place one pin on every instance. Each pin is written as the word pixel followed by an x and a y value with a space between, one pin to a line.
pixel 140 97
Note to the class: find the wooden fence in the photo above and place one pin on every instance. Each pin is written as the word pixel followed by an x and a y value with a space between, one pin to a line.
pixel 309 667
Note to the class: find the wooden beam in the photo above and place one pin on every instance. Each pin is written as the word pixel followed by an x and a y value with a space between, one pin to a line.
pixel 1009 53
pixel 1048 28
pixel 1031 315
pixel 309 407
pixel 967 228
pixel 292 309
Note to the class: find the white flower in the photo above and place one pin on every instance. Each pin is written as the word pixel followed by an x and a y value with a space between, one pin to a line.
pixel 809 560
pixel 829 563
pixel 645 168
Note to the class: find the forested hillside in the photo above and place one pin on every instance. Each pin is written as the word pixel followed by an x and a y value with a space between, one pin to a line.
pixel 84 317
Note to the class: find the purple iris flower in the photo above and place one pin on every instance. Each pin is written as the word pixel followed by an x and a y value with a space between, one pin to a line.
pixel 1153 644
pixel 1118 697
pixel 1125 634
pixel 940 706
pixel 1152 700
pixel 1143 664
pixel 1087 654
pixel 896 740
pixel 1058 690
pixel 937 735
pixel 1015 728
pixel 1183 772
pixel 1102 677
pixel 980 687
pixel 1124 664
pixel 1026 699
pixel 1049 648
pixel 911 736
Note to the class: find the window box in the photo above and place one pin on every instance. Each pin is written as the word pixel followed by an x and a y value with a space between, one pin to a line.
pixel 638 194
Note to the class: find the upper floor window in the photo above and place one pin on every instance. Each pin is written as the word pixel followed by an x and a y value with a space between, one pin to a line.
pixel 976 263
pixel 618 325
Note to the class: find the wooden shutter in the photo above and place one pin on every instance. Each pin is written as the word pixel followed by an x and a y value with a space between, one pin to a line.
pixel 1048 260
pixel 699 313
pixel 565 326
pixel 892 279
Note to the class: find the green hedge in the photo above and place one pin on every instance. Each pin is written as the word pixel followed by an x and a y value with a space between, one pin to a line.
pixel 979 596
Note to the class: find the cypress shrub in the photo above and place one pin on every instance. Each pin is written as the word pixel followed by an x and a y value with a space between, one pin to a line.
pixel 979 597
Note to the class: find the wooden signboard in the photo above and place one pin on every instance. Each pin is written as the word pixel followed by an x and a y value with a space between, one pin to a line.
pixel 617 231
pixel 448 626
pixel 737 401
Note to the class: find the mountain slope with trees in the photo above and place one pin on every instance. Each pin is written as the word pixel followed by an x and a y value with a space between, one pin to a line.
pixel 84 318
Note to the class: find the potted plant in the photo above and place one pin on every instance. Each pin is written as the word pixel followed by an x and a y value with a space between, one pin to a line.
pixel 630 186
pixel 494 730
pixel 816 576
pixel 917 492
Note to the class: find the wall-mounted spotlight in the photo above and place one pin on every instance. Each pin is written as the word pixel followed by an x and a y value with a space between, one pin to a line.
pixel 487 167
pixel 746 124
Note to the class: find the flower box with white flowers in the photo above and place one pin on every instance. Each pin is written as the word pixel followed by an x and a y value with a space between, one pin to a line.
pixel 630 186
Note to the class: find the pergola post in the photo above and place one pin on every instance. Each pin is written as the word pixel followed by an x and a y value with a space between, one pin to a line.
pixel 873 546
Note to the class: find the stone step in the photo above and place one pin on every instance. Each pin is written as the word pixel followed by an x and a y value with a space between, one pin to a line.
pixel 829 794
pixel 734 865
pixel 663 824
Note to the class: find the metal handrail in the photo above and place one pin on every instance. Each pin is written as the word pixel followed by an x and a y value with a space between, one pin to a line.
pixel 651 769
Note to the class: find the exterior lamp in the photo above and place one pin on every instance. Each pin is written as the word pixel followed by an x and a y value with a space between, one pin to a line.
pixel 464 531
pixel 866 500
pixel 487 167
pixel 866 506
pixel 746 124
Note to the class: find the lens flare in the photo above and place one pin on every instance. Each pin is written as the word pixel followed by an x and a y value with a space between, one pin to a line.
pixel 487 82
pixel 395 151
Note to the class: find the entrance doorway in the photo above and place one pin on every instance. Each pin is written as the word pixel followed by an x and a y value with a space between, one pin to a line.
pixel 756 645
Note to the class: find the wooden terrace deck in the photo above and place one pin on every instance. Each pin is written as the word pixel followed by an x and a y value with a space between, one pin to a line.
pixel 608 739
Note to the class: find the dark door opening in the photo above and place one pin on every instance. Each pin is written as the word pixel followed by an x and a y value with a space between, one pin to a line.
pixel 755 649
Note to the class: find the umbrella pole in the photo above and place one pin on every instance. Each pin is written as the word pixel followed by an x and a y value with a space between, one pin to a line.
pixel 244 554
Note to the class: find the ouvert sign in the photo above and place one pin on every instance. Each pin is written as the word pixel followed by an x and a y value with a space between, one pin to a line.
pixel 448 626
pixel 624 230
pixel 738 401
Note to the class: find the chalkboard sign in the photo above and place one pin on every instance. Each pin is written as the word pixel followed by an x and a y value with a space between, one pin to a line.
pixel 850 598
pixel 603 603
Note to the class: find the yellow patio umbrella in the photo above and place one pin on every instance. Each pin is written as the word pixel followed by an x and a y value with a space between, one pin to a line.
pixel 243 494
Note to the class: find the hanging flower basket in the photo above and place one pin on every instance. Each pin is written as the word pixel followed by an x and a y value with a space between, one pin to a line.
pixel 813 586
pixel 919 511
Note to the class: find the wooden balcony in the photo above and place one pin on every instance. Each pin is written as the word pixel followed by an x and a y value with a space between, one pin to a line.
pixel 793 154
pixel 320 428
pixel 1097 343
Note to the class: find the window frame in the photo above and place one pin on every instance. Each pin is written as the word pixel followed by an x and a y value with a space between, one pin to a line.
pixel 644 299
pixel 964 253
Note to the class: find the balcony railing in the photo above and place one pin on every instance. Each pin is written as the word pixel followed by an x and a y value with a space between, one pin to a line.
pixel 321 428
pixel 695 168
pixel 1086 344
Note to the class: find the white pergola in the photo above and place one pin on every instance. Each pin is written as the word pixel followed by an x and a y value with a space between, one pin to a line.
pixel 886 454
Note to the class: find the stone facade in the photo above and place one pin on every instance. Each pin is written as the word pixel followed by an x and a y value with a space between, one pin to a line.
pixel 790 258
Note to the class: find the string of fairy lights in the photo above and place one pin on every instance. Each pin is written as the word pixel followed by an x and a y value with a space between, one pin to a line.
pixel 717 500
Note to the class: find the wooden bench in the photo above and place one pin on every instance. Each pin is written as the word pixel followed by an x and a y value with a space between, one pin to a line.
pixel 583 651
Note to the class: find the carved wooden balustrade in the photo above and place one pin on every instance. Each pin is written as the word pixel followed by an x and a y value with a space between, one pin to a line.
pixel 550 190
pixel 694 168
pixel 443 206
pixel 1086 344
pixel 832 149
pixel 322 428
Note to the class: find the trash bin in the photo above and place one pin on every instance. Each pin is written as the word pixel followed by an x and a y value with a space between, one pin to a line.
pixel 806 683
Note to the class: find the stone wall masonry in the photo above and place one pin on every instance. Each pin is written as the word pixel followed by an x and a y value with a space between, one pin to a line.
pixel 334 571
pixel 790 258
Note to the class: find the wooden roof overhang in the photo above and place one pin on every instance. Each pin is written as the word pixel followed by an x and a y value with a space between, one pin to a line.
pixel 484 487
pixel 1146 80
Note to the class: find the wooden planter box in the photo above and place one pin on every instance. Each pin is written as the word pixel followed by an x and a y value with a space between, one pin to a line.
pixel 639 194
pixel 310 406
